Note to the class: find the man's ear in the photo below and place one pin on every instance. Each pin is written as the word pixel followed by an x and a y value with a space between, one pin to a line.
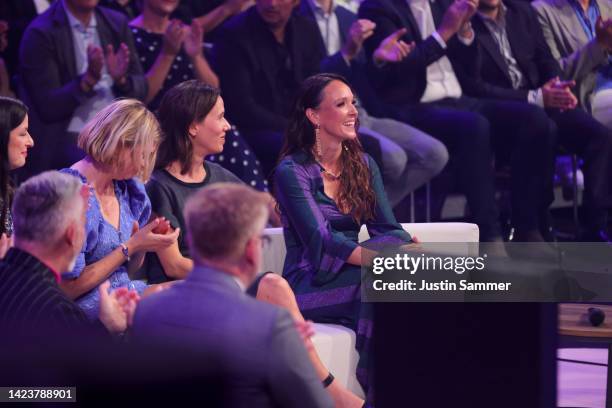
pixel 250 251
pixel 312 116
pixel 70 234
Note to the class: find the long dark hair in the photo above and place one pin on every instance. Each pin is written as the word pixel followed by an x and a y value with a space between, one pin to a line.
pixel 355 194
pixel 12 114
pixel 183 104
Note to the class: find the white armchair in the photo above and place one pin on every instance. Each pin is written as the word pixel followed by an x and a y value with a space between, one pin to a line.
pixel 336 344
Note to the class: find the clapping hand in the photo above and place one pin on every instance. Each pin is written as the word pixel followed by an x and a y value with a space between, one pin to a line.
pixel 117 308
pixel 95 62
pixel 193 40
pixel 155 235
pixel 360 31
pixel 118 62
pixel 458 14
pixel 392 48
pixel 557 94
pixel 173 37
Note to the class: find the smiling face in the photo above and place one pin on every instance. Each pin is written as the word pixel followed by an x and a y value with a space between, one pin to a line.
pixel 19 143
pixel 336 115
pixel 275 13
pixel 208 135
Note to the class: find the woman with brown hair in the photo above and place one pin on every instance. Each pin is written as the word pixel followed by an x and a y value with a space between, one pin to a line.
pixel 327 187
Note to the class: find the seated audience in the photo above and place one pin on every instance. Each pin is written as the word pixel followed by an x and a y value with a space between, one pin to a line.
pixel 210 14
pixel 171 53
pixel 49 214
pixel 516 64
pixel 15 141
pixel 579 34
pixel 420 157
pixel 433 100
pixel 262 57
pixel 75 59
pixel 327 188
pixel 256 343
pixel 191 118
pixel 120 144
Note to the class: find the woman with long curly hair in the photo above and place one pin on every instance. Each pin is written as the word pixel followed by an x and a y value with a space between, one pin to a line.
pixel 327 188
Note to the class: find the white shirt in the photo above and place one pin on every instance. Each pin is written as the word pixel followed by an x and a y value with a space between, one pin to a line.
pixel 328 26
pixel 103 94
pixel 41 6
pixel 441 79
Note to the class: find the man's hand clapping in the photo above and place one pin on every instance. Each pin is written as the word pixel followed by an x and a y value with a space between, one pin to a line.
pixel 393 49
pixel 117 63
pixel 456 16
pixel 117 308
pixel 360 31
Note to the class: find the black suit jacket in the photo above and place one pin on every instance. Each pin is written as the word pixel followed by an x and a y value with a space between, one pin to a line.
pixel 529 49
pixel 404 82
pixel 244 59
pixel 32 302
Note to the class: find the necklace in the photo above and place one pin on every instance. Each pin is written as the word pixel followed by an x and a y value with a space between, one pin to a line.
pixel 332 176
pixel 324 171
pixel 329 174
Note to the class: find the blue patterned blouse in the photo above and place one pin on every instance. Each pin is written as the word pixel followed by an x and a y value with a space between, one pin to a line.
pixel 102 238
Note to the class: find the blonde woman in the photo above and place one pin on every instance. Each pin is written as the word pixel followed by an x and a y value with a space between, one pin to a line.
pixel 120 143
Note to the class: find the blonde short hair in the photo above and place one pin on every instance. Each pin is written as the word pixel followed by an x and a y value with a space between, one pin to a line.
pixel 125 123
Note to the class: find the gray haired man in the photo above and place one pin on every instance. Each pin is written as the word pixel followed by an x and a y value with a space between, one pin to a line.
pixel 257 345
pixel 49 230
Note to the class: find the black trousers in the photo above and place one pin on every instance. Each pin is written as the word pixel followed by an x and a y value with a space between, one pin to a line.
pixel 472 130
pixel 579 133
